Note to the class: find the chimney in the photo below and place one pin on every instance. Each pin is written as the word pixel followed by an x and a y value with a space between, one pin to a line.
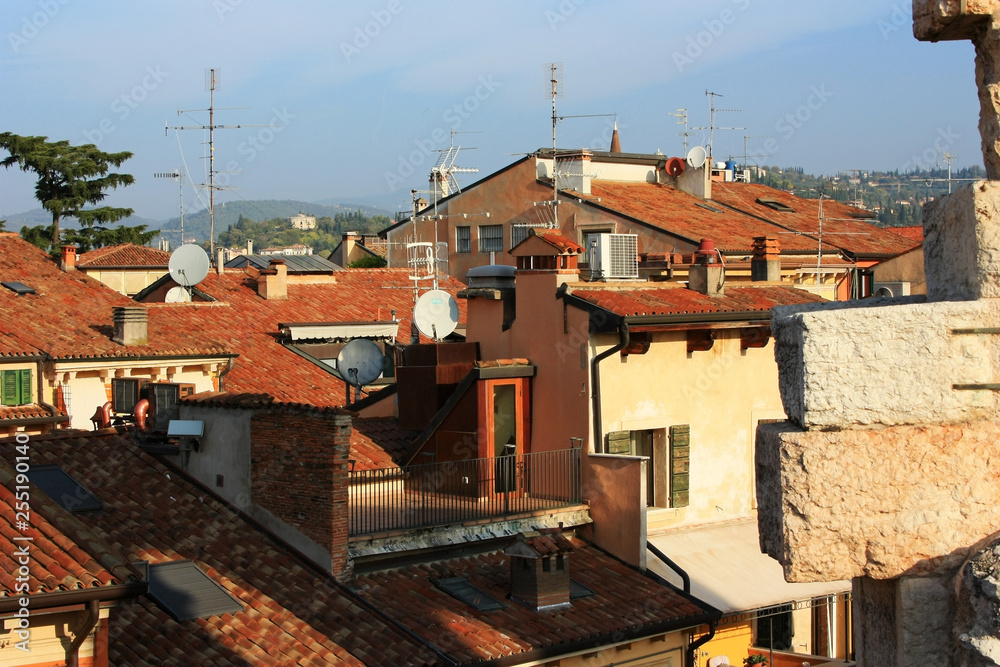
pixel 539 570
pixel 249 247
pixel 220 261
pixel 68 258
pixel 347 247
pixel 272 282
pixel 616 145
pixel 130 325
pixel 707 275
pixel 765 264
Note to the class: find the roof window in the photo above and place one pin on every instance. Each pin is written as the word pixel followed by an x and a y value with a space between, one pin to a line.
pixel 18 287
pixel 775 204
pixel 460 589
pixel 185 592
pixel 61 487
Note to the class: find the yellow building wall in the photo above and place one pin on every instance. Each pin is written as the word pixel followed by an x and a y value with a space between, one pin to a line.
pixel 721 394
pixel 662 651
pixel 50 636
pixel 127 282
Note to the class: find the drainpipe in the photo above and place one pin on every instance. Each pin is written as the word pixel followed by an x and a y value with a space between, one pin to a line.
pixel 692 656
pixel 89 622
pixel 222 374
pixel 596 379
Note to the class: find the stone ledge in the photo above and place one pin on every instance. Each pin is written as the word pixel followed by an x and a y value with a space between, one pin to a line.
pixel 962 244
pixel 880 503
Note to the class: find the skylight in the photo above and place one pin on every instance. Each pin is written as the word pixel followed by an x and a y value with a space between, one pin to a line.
pixel 775 204
pixel 18 287
pixel 710 208
pixel 460 589
pixel 185 592
pixel 578 590
pixel 63 489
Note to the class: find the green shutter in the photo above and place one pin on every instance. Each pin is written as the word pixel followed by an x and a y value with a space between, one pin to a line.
pixel 10 387
pixel 619 442
pixel 680 462
pixel 25 386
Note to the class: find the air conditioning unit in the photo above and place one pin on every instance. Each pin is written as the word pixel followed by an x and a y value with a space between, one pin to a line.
pixel 891 289
pixel 614 257
pixel 125 393
pixel 164 402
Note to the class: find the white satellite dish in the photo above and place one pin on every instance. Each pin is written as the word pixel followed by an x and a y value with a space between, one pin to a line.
pixel 436 314
pixel 360 362
pixel 697 156
pixel 177 295
pixel 188 265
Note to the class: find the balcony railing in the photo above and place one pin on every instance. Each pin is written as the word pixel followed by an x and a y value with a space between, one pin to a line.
pixel 450 492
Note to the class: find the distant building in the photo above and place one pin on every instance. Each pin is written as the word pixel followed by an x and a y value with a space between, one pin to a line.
pixel 302 221
pixel 297 249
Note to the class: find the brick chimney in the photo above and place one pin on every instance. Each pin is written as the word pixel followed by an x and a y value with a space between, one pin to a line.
pixel 130 325
pixel 299 475
pixel 707 275
pixel 765 264
pixel 539 570
pixel 272 282
pixel 68 258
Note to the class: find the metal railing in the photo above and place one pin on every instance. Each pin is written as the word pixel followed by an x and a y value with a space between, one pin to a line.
pixel 449 492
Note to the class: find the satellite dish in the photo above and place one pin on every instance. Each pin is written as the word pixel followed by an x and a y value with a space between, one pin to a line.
pixel 360 362
pixel 697 156
pixel 436 314
pixel 188 265
pixel 177 295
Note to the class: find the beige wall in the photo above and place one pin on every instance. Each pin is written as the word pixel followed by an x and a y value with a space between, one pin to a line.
pixel 51 635
pixel 908 267
pixel 127 281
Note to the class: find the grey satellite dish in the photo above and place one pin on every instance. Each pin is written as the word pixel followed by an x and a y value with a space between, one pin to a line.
pixel 188 265
pixel 360 362
pixel 697 156
pixel 436 314
pixel 177 295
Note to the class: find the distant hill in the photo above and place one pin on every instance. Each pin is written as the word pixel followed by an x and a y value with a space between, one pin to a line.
pixel 228 213
pixel 40 216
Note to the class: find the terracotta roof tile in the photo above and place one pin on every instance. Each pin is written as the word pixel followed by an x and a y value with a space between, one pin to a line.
pixel 379 443
pixel 31 411
pixel 678 300
pixel 841 227
pixel 914 233
pixel 125 254
pixel 293 614
pixel 556 240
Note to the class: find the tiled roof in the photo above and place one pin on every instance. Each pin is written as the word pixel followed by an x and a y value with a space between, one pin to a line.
pixel 32 411
pixel 678 300
pixel 378 442
pixel 69 315
pixel 914 233
pixel 692 218
pixel 12 346
pixel 64 555
pixel 248 325
pixel 556 240
pixel 126 254
pixel 841 226
pixel 293 614
pixel 625 602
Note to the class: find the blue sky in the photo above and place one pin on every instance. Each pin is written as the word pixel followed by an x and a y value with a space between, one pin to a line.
pixel 361 94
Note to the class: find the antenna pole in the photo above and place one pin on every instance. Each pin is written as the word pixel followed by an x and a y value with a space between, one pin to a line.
pixel 683 115
pixel 555 119
pixel 211 164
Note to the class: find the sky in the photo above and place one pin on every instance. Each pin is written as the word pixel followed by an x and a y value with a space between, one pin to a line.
pixel 353 100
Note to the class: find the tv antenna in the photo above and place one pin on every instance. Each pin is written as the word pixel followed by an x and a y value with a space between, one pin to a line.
pixel 188 266
pixel 711 121
pixel 180 181
pixel 359 363
pixel 443 179
pixel 683 115
pixel 211 83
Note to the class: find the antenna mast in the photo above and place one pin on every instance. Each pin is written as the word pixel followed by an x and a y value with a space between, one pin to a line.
pixel 556 69
pixel 180 180
pixel 683 115
pixel 711 123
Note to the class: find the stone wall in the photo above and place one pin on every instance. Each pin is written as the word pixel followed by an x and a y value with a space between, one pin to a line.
pixel 885 362
pixel 962 235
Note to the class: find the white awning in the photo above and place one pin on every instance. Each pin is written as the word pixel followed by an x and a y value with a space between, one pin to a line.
pixel 728 571
pixel 342 331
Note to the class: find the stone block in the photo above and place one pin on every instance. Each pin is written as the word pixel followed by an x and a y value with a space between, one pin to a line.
pixel 962 244
pixel 880 503
pixel 885 361
pixel 938 20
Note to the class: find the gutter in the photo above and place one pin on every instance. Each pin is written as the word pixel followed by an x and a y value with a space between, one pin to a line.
pixel 224 373
pixel 692 652
pixel 55 417
pixel 79 596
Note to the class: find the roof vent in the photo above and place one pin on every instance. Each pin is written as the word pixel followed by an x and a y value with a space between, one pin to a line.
pixel 539 570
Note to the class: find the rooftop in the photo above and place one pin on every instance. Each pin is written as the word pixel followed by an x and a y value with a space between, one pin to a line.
pixel 124 255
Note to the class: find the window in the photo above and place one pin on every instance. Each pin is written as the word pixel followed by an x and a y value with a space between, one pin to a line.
pixel 463 239
pixel 16 387
pixel 680 463
pixel 490 238
pixel 774 628
pixel 460 589
pixel 185 592
pixel 775 204
pixel 60 486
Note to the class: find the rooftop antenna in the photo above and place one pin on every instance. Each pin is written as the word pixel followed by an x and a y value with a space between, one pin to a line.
pixel 180 181
pixel 443 172
pixel 746 150
pixel 683 115
pixel 558 89
pixel 711 122
pixel 211 83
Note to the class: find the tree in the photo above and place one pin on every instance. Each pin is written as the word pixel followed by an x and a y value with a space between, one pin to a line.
pixel 89 238
pixel 69 177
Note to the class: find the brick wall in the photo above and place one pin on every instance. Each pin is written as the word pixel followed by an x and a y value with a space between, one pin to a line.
pixel 299 473
pixel 540 582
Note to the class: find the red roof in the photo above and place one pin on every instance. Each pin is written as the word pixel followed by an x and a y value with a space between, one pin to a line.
pixel 64 555
pixel 692 218
pixel 624 601
pixel 293 613
pixel 914 233
pixel 30 411
pixel 124 255
pixel 247 324
pixel 561 243
pixel 662 299
pixel 69 315
pixel 841 226
pixel 378 442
